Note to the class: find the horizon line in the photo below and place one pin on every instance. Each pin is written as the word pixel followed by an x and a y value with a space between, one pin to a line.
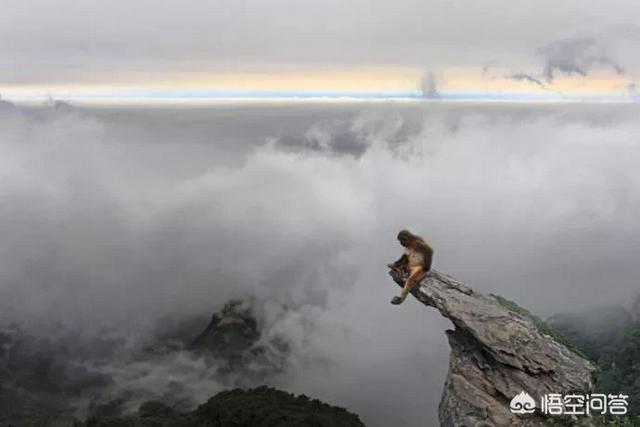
pixel 230 96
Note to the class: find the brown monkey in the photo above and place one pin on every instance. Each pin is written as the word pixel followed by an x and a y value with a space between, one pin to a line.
pixel 415 262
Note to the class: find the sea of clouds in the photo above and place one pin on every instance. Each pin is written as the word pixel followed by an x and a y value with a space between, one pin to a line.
pixel 114 218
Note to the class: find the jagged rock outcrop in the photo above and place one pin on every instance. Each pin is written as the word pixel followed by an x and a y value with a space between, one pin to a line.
pixel 235 339
pixel 497 351
pixel 230 333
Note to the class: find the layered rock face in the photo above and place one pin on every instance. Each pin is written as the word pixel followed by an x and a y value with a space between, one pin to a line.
pixel 497 352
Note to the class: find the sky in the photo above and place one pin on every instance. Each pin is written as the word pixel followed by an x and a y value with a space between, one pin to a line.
pixel 463 49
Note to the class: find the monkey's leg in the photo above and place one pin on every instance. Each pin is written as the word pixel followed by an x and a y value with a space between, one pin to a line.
pixel 415 277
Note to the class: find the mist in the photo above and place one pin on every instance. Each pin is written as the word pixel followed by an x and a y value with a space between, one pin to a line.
pixel 116 218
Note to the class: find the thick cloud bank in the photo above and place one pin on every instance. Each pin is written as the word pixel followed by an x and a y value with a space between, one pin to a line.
pixel 114 218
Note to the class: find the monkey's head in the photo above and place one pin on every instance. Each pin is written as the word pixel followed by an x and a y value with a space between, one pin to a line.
pixel 406 238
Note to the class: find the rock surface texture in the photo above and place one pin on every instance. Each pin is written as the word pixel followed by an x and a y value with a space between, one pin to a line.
pixel 497 352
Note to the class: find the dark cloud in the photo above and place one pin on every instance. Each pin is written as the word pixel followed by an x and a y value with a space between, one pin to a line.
pixel 429 86
pixel 575 56
pixel 632 89
pixel 527 78
pixel 580 56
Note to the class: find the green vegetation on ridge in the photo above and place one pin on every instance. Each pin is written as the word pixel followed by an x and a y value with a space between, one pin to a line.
pixel 542 326
pixel 611 339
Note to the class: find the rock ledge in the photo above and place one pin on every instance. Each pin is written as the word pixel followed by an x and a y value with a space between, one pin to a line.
pixel 496 353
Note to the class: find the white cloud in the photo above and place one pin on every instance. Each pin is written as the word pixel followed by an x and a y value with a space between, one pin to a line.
pixel 112 220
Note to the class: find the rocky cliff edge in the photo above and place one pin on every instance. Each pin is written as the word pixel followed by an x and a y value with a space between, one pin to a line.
pixel 498 350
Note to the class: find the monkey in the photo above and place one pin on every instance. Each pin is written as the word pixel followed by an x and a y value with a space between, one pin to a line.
pixel 415 262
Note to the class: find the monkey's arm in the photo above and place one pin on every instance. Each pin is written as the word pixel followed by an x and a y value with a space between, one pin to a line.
pixel 427 254
pixel 403 260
